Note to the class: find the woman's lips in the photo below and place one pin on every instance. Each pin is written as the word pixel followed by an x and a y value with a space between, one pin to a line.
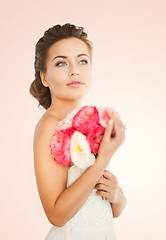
pixel 75 84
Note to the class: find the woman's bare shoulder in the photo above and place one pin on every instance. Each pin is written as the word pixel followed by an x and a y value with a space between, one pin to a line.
pixel 46 127
pixel 46 122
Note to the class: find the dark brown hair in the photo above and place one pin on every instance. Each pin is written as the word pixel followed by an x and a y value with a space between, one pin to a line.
pixel 52 35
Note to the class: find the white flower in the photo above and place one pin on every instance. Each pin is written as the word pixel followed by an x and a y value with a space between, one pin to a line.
pixel 80 151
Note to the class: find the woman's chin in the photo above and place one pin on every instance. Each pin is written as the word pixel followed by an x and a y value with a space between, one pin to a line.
pixel 78 94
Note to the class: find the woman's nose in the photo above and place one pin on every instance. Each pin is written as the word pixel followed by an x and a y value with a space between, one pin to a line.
pixel 73 71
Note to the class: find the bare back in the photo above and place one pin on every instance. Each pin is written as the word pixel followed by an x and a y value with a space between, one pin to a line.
pixel 51 177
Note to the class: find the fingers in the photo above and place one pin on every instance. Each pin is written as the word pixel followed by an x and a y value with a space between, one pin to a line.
pixel 117 123
pixel 113 116
pixel 117 115
pixel 102 187
pixel 103 181
pixel 108 129
pixel 109 175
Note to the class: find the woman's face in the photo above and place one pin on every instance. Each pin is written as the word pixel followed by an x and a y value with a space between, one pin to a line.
pixel 61 71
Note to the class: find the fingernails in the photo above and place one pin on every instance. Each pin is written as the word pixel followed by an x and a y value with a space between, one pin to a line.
pixel 102 176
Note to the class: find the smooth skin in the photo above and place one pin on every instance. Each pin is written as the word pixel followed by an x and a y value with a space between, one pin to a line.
pixel 59 202
pixel 62 71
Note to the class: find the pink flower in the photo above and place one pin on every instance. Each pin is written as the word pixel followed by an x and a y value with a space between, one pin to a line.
pixel 95 137
pixel 60 146
pixel 104 117
pixel 86 119
pixel 67 121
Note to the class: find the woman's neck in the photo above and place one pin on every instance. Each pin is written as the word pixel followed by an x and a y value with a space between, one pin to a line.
pixel 60 110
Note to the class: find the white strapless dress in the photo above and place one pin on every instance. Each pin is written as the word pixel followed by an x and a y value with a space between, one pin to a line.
pixel 94 220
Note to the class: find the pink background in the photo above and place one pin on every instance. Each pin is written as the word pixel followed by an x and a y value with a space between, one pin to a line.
pixel 129 63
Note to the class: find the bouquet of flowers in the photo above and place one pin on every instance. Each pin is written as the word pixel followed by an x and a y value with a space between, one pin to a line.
pixel 79 135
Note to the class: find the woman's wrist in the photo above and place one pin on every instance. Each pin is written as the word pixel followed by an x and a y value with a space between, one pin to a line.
pixel 117 208
pixel 101 163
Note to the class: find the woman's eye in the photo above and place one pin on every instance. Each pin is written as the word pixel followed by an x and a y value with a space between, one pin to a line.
pixel 84 61
pixel 59 63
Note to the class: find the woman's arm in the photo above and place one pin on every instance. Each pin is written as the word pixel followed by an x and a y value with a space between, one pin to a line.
pixel 117 208
pixel 60 203
pixel 73 198
pixel 112 191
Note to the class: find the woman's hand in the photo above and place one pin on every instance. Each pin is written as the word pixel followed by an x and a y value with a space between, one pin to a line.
pixel 109 145
pixel 108 187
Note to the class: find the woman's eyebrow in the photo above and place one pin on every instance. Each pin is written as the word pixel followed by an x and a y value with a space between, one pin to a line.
pixel 82 54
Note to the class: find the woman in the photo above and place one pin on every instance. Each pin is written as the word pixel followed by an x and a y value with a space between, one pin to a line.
pixel 74 208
